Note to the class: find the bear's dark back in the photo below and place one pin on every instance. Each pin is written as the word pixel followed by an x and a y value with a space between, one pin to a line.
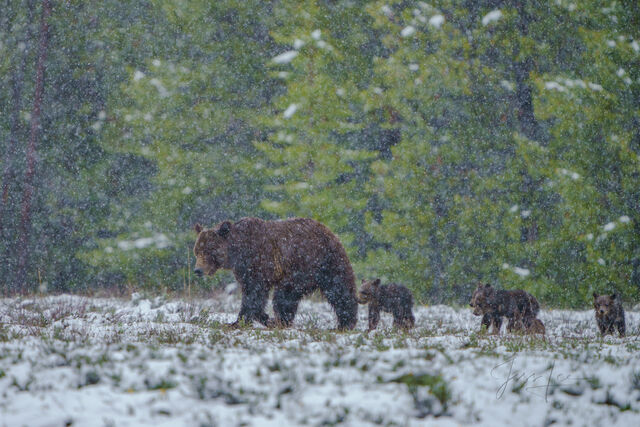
pixel 392 296
pixel 282 249
pixel 526 304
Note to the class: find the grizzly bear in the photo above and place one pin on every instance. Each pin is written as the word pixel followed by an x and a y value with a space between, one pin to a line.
pixel 393 298
pixel 294 257
pixel 516 305
pixel 609 314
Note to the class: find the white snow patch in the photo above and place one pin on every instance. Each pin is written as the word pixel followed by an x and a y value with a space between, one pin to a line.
pixel 436 21
pixel 513 209
pixel 413 67
pixel 162 91
pixel 301 186
pixel 316 34
pixel 573 175
pixel 554 86
pixel 138 75
pixel 290 111
pixel 601 261
pixel 285 58
pixel 525 213
pixel 492 16
pixel 297 43
pixel 160 240
pixel 506 84
pixel 187 190
pixel 407 31
pixel 609 226
pixel 522 272
pixel 156 62
pixel 624 219
pixel 595 86
pixel 635 46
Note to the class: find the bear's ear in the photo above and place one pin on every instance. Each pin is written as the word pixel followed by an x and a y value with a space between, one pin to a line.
pixel 376 282
pixel 197 228
pixel 614 296
pixel 595 295
pixel 224 229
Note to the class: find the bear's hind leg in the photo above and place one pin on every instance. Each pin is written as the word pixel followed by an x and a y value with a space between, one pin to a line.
pixel 344 304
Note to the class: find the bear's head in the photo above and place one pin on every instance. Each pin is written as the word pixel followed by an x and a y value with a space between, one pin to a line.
pixel 211 247
pixel 604 304
pixel 368 291
pixel 480 300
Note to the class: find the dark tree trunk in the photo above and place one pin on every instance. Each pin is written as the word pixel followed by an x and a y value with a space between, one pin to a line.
pixel 527 122
pixel 25 216
pixel 524 97
pixel 17 83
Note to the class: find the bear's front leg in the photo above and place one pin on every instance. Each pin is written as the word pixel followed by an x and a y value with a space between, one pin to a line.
pixel 254 301
pixel 496 321
pixel 374 316
pixel 620 324
pixel 485 323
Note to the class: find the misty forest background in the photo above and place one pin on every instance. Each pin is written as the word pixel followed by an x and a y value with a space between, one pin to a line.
pixel 444 142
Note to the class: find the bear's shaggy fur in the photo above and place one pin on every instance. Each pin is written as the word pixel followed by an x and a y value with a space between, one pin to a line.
pixel 517 306
pixel 294 257
pixel 393 298
pixel 609 314
pixel 533 325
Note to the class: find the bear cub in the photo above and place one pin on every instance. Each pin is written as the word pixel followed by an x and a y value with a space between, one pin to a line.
pixel 533 325
pixel 392 298
pixel 609 314
pixel 519 307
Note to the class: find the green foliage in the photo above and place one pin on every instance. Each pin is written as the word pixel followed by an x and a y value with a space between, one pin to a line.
pixel 445 143
pixel 189 112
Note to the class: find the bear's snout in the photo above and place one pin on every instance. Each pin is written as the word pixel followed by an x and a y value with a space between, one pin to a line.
pixel 198 271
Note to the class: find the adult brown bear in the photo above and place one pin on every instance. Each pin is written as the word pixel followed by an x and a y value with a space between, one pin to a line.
pixel 294 256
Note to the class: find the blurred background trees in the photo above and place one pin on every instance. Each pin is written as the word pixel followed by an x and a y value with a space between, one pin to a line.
pixel 445 142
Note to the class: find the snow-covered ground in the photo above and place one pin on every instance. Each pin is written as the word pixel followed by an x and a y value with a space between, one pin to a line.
pixel 70 360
